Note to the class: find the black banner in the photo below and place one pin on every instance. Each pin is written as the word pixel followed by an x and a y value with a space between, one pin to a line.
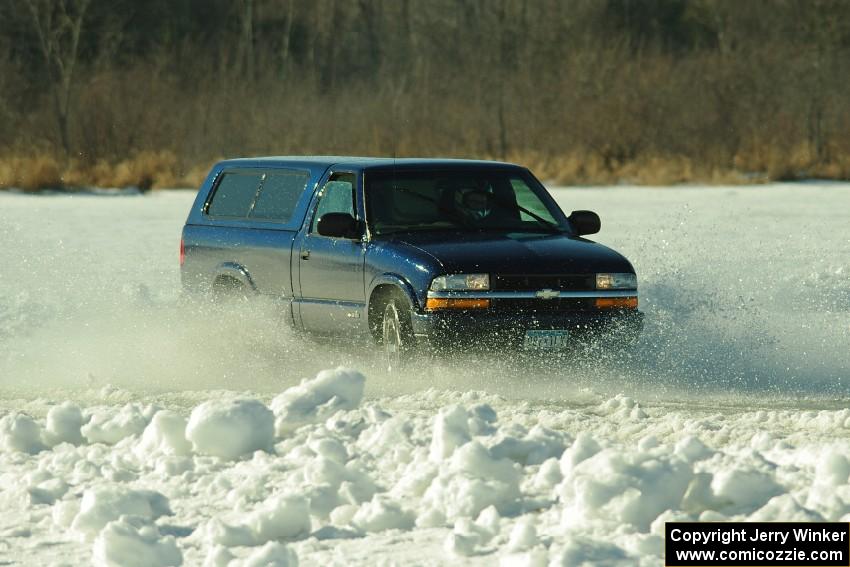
pixel 762 544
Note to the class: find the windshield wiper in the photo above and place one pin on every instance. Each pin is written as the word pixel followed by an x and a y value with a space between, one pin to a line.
pixel 543 222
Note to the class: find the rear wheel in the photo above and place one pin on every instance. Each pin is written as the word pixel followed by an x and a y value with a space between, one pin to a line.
pixel 396 335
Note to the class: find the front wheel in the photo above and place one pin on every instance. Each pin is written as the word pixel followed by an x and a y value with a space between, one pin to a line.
pixel 397 335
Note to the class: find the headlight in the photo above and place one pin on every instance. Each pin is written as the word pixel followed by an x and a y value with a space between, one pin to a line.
pixel 461 282
pixel 616 281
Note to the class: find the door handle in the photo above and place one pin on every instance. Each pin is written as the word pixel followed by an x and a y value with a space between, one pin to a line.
pixel 305 254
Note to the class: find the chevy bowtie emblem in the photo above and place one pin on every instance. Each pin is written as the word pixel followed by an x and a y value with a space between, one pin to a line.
pixel 547 294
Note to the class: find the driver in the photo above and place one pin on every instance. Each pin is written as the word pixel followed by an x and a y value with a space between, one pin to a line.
pixel 469 201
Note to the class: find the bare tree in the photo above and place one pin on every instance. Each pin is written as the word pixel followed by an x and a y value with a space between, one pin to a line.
pixel 58 24
pixel 245 58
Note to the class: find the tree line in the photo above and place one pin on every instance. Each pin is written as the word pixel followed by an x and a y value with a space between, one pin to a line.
pixel 586 91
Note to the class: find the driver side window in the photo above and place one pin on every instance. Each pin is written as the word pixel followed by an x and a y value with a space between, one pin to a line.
pixel 337 196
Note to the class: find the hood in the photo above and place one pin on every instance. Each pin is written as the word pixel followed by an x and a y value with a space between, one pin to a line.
pixel 517 253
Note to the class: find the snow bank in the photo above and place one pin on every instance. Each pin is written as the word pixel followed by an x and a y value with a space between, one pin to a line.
pixel 231 428
pixel 317 399
pixel 520 486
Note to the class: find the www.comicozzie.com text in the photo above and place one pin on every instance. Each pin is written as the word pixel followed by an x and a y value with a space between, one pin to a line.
pixel 755 534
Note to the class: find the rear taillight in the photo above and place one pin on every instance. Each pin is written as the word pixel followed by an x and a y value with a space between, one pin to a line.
pixel 182 252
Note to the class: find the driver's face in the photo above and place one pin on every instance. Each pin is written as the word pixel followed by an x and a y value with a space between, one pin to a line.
pixel 476 201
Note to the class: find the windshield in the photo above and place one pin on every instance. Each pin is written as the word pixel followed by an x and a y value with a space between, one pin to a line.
pixel 474 200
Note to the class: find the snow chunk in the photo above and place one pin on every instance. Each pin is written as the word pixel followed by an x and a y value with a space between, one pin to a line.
pixel 489 520
pixel 461 544
pixel 342 515
pixel 329 484
pixel 381 514
pixel 471 481
pixel 582 551
pixel 166 434
pixel 20 433
pixel 218 556
pixel 692 449
pixel 523 536
pixel 231 428
pixel 623 407
pixel 318 399
pixel 582 448
pixel 744 488
pixel 281 517
pixel 134 542
pixel 833 469
pixel 451 430
pixel 548 475
pixel 330 449
pixel 466 538
pixel 104 504
pixel 63 424
pixel 430 518
pixel 537 446
pixel 64 512
pixel 534 558
pixel 47 491
pixel 631 488
pixel 272 554
pixel 482 419
pixel 109 426
pixel 784 508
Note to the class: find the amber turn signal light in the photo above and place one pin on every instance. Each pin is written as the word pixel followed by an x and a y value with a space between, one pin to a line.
pixel 616 302
pixel 437 303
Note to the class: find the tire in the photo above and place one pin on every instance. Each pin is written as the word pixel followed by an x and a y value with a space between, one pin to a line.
pixel 396 335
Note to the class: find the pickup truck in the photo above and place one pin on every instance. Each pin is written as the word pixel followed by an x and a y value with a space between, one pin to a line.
pixel 409 253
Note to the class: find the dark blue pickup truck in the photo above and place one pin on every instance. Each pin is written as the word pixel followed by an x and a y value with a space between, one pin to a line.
pixel 409 252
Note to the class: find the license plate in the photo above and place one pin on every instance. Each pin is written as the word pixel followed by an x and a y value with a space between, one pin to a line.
pixel 546 340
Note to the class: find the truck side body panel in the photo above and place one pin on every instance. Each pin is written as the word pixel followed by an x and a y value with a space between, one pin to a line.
pixel 256 253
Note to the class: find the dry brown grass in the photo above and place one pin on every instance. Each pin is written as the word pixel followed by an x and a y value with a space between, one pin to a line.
pixel 590 169
pixel 145 170
pixel 30 173
pixel 163 169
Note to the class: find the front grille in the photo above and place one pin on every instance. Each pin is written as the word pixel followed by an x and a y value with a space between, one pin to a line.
pixel 571 282
pixel 532 306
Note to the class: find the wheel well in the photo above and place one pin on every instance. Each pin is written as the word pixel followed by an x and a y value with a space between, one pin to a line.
pixel 381 295
pixel 226 284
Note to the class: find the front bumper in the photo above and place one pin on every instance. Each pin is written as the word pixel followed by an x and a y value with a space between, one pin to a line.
pixel 499 328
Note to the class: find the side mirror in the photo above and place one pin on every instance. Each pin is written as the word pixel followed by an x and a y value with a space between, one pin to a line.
pixel 585 222
pixel 337 225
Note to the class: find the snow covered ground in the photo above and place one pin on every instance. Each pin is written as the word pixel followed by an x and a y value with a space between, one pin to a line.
pixel 138 430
